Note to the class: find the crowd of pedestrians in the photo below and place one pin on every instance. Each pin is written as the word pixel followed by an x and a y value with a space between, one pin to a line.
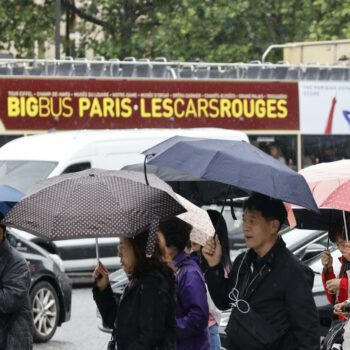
pixel 175 295
pixel 268 290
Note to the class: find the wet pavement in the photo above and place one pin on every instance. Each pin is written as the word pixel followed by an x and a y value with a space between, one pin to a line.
pixel 81 331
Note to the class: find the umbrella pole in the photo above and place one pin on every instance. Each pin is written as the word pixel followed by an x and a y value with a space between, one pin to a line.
pixel 145 170
pixel 345 226
pixel 97 251
pixel 222 209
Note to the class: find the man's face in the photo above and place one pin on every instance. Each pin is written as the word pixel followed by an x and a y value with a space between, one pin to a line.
pixel 258 231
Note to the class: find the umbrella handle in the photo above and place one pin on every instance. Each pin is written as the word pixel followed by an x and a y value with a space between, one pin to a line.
pixel 222 210
pixel 345 226
pixel 98 257
pixel 145 170
pixel 97 251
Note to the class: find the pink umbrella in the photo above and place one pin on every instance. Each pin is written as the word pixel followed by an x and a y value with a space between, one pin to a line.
pixel 330 185
pixel 202 227
pixel 324 178
pixel 340 199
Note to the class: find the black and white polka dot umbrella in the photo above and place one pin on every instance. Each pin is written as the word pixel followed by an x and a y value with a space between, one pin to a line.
pixel 95 203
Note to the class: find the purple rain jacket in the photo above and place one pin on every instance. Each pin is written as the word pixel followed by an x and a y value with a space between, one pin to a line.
pixel 192 312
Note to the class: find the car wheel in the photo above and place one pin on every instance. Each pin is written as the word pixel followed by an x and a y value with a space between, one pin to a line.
pixel 45 307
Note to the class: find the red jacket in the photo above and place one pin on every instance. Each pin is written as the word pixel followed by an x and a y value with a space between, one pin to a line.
pixel 342 294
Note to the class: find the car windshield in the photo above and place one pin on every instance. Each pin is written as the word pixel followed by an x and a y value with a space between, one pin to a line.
pixel 22 174
pixel 294 236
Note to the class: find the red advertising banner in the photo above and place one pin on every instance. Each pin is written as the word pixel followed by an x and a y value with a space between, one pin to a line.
pixel 66 104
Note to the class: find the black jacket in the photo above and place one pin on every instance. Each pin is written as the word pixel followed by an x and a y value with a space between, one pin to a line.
pixel 15 308
pixel 145 317
pixel 278 288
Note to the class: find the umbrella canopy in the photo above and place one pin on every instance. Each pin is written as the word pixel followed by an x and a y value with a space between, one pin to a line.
pixel 193 188
pixel 324 220
pixel 236 163
pixel 9 196
pixel 329 184
pixel 324 178
pixel 94 203
pixel 202 227
pixel 339 198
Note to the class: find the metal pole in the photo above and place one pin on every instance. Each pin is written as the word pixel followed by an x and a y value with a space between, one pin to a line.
pixel 97 251
pixel 299 151
pixel 67 32
pixel 57 30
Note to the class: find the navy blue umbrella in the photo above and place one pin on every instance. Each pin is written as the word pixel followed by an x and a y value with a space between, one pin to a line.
pixel 9 196
pixel 236 163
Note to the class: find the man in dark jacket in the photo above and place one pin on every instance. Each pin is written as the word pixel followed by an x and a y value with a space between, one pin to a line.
pixel 16 322
pixel 268 289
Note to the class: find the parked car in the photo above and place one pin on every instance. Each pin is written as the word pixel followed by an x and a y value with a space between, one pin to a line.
pixel 79 255
pixel 50 290
pixel 304 243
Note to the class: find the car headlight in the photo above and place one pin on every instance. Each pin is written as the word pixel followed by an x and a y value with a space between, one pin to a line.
pixel 58 261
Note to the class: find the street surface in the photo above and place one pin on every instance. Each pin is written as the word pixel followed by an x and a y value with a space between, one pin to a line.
pixel 81 331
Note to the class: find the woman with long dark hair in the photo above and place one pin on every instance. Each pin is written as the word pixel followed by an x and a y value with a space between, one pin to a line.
pixel 145 317
pixel 219 223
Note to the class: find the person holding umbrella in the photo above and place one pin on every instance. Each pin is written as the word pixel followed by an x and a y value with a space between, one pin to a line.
pixel 196 254
pixel 268 288
pixel 145 316
pixel 109 203
pixel 192 311
pixel 16 320
pixel 337 288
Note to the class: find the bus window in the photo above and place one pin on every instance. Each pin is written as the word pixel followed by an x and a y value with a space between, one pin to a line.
pixel 281 147
pixel 324 148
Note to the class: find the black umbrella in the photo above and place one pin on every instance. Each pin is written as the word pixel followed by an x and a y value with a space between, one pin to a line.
pixel 95 203
pixel 195 189
pixel 324 220
pixel 236 163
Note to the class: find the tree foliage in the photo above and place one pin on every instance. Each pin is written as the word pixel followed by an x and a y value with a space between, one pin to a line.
pixel 209 30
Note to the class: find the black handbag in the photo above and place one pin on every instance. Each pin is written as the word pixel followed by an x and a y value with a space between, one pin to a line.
pixel 335 335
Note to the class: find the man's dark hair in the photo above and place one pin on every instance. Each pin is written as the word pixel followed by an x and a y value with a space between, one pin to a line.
pixel 270 208
pixel 176 232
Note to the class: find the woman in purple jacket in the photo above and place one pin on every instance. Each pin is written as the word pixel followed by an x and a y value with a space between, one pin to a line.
pixel 192 312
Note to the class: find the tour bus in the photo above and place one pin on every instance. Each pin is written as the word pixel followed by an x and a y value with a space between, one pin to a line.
pixel 297 112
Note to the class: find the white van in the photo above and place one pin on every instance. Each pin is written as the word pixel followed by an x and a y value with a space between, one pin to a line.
pixel 26 160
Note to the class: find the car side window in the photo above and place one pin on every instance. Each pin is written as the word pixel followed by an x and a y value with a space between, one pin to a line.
pixel 11 239
pixel 73 168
